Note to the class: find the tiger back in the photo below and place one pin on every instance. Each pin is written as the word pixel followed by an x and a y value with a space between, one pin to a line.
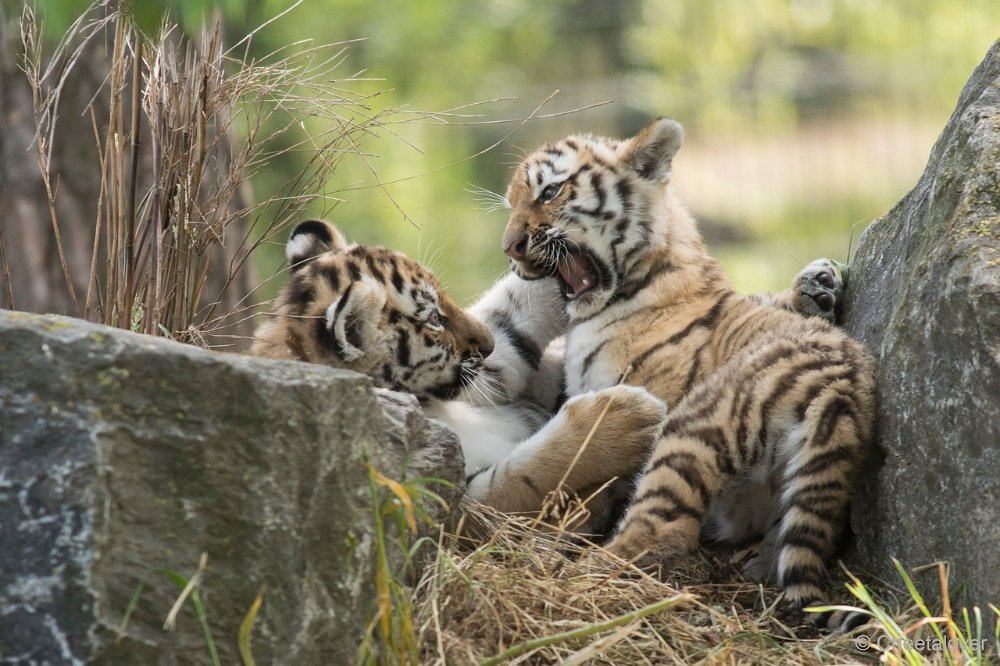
pixel 771 413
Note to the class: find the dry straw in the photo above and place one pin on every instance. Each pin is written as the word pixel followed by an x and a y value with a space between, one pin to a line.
pixel 188 125
pixel 522 598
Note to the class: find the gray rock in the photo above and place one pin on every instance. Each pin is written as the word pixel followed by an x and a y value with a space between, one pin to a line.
pixel 924 294
pixel 123 455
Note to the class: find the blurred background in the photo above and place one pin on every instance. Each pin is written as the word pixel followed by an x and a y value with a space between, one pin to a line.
pixel 806 119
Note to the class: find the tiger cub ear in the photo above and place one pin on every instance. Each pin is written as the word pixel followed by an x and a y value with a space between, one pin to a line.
pixel 353 319
pixel 311 239
pixel 651 152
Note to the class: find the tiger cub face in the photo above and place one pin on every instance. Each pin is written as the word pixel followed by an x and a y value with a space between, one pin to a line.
pixel 581 210
pixel 375 311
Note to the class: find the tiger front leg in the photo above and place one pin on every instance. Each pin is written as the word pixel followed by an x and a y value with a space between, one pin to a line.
pixel 525 317
pixel 594 438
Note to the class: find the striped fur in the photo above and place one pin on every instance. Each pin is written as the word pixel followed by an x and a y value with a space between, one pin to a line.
pixel 496 383
pixel 771 412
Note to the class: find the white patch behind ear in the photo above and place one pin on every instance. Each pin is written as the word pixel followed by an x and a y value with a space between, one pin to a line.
pixel 651 151
pixel 299 248
pixel 353 318
pixel 310 239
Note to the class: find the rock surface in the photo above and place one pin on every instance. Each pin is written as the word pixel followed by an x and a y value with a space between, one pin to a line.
pixel 924 294
pixel 123 455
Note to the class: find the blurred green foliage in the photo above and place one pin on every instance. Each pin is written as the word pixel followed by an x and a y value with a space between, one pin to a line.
pixel 820 112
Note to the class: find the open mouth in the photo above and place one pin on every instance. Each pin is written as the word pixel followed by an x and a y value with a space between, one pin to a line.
pixel 578 273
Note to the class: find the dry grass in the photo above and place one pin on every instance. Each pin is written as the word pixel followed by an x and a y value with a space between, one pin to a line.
pixel 521 598
pixel 524 586
pixel 189 124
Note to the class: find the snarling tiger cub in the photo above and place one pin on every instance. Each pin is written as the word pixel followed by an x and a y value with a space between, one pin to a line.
pixel 484 372
pixel 770 413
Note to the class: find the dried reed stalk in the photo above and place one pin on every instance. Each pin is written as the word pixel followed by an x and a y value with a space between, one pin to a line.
pixel 189 124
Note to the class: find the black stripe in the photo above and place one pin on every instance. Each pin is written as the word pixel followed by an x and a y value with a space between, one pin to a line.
pixel 397 278
pixel 680 507
pixel 628 290
pixel 705 321
pixel 784 384
pixel 805 536
pixel 300 293
pixel 591 357
pixel 403 348
pixel 525 347
pixel 828 420
pixel 678 420
pixel 685 465
pixel 799 574
pixel 693 371
pixel 818 387
pixel 779 353
pixel 676 513
pixel 373 268
pixel 822 513
pixel 598 187
pixel 332 276
pixel 824 460
pixel 818 488
pixel 715 438
pixel 727 334
pixel 649 525
pixel 624 192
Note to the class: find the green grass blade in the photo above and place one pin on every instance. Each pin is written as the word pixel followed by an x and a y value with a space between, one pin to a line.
pixel 182 584
pixel 911 588
pixel 199 610
pixel 844 270
pixel 133 602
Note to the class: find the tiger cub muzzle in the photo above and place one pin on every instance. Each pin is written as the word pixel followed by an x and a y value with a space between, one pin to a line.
pixel 578 270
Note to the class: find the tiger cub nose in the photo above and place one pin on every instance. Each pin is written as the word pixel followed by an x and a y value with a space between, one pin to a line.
pixel 485 347
pixel 516 248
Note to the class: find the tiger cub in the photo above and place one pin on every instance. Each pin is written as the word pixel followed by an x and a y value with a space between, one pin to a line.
pixel 770 413
pixel 486 374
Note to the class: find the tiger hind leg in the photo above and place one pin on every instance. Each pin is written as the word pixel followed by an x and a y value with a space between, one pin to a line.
pixel 815 500
pixel 806 420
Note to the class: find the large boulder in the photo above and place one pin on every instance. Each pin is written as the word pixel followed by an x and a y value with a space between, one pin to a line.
pixel 122 456
pixel 924 294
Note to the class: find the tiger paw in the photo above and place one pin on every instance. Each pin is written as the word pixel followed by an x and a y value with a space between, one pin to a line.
pixel 762 566
pixel 819 290
pixel 622 423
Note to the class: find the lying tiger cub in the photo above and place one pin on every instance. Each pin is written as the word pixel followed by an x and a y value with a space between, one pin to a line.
pixel 485 372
